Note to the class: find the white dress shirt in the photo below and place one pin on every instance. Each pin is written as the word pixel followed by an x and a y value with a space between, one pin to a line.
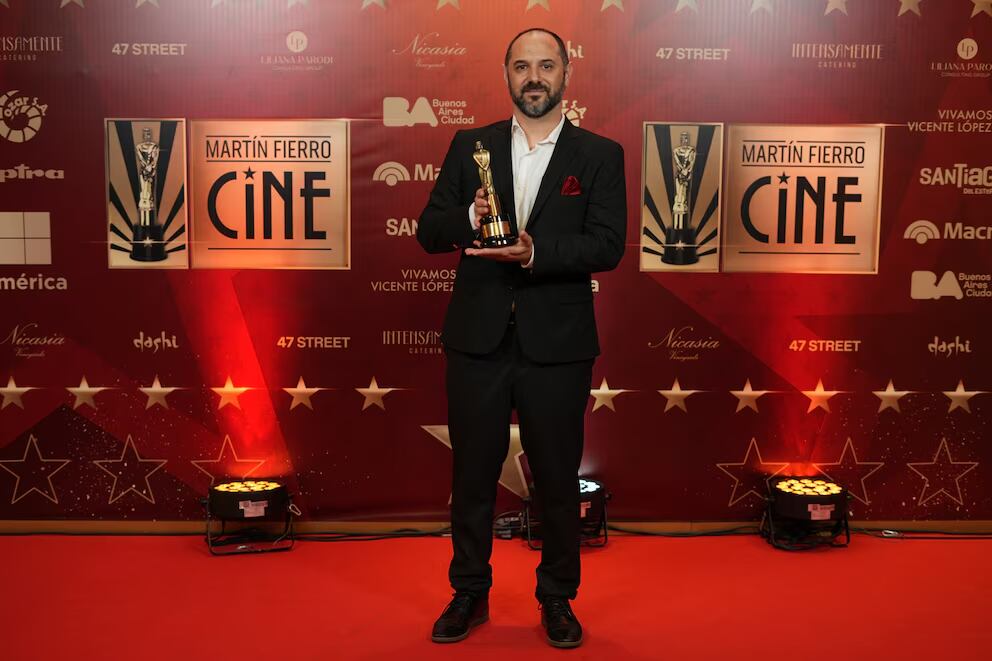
pixel 529 166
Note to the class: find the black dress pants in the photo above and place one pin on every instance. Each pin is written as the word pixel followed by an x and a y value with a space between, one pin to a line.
pixel 550 400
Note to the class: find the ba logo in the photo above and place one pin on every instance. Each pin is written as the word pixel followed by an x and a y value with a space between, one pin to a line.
pixel 921 231
pixel 391 173
pixel 396 111
pixel 20 116
pixel 924 286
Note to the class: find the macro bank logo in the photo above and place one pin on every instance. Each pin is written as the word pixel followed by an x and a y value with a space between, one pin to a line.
pixel 922 231
pixel 20 116
pixel 392 173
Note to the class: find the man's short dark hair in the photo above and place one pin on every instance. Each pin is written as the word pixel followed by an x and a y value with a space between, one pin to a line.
pixel 561 44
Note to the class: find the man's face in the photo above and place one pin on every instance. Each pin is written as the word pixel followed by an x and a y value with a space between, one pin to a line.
pixel 536 75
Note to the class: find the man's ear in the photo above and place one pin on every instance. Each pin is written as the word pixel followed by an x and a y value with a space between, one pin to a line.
pixel 568 73
pixel 506 78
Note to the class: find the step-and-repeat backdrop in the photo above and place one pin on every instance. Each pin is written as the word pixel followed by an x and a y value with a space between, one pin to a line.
pixel 208 265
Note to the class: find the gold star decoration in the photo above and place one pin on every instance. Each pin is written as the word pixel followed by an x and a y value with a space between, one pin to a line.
pixel 72 2
pixel 228 464
pixel 937 475
pixel 761 4
pixel 851 473
pixel 537 3
pixel 836 5
pixel 85 393
pixel 959 397
pixel 12 393
pixel 676 396
pixel 129 472
pixel 374 394
pixel 909 5
pixel 154 3
pixel 36 471
pixel 301 394
pixel 748 398
pixel 377 3
pixel 818 398
pixel 980 7
pixel 604 396
pixel 214 3
pixel 157 393
pixel 229 394
pixel 691 4
pixel 296 2
pixel 512 474
pixel 890 397
pixel 453 3
pixel 4 3
pixel 751 475
pixel 611 3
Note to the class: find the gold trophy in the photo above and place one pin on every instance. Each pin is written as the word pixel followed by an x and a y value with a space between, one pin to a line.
pixel 496 229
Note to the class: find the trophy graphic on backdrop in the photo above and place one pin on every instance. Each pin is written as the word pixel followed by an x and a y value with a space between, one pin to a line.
pixel 147 242
pixel 497 229
pixel 680 238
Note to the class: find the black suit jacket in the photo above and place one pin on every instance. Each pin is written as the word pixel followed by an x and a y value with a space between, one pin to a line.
pixel 574 236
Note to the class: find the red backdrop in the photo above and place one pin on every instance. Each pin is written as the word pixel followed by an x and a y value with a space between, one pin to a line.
pixel 65 456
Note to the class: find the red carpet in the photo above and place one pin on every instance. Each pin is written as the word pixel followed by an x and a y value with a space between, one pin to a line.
pixel 733 597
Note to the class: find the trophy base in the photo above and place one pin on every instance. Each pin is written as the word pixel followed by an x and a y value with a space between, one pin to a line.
pixel 680 247
pixel 497 232
pixel 148 244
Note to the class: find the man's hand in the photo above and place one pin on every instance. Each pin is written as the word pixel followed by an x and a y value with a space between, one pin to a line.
pixel 481 206
pixel 520 251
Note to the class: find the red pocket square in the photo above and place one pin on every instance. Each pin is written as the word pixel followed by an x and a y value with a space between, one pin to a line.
pixel 571 186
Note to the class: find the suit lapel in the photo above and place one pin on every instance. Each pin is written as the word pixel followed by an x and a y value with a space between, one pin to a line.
pixel 501 157
pixel 561 158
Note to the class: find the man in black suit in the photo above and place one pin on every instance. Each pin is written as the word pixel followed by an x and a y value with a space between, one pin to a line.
pixel 520 331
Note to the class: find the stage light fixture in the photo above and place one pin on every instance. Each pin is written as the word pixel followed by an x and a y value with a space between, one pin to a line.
pixel 261 500
pixel 594 523
pixel 805 512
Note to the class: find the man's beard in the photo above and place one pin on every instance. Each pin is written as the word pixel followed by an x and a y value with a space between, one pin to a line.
pixel 541 107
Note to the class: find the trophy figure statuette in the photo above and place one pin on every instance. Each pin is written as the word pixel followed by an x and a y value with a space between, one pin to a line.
pixel 680 238
pixel 497 228
pixel 147 242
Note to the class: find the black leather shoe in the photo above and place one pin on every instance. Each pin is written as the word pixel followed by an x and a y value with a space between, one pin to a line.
pixel 466 610
pixel 560 622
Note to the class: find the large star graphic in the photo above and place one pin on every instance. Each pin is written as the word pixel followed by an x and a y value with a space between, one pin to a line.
pixel 4 3
pixel 890 397
pixel 374 394
pixel 537 3
pixel 130 473
pixel 748 397
pixel 850 473
pixel 691 4
pixel 611 3
pixel 453 3
pixel 676 396
pixel 36 471
pixel 512 474
pixel 85 393
pixel 150 2
pixel 761 4
pixel 604 396
pixel 228 464
pixel 377 3
pixel 296 2
pixel 909 5
pixel 157 393
pixel 819 397
pixel 301 394
pixel 836 5
pixel 751 475
pixel 938 474
pixel 980 7
pixel 959 397
pixel 12 393
pixel 72 2
pixel 229 394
